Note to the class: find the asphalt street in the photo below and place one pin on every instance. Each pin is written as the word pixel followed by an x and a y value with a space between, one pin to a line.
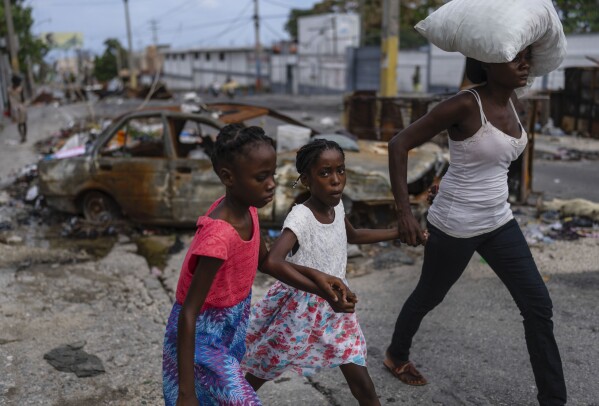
pixel 566 179
pixel 471 348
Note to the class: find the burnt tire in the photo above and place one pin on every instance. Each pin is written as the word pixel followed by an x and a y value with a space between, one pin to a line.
pixel 98 207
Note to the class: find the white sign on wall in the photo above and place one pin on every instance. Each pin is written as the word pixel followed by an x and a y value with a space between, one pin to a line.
pixel 328 34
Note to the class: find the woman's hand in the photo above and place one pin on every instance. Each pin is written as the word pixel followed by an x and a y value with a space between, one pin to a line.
pixel 432 193
pixel 347 305
pixel 332 286
pixel 409 230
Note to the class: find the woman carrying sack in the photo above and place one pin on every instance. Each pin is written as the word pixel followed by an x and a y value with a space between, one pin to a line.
pixel 471 210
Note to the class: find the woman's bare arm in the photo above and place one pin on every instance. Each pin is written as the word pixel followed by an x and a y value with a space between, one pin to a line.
pixel 446 114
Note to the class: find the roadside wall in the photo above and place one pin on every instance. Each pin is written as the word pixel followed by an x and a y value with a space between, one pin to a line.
pixel 322 71
pixel 197 69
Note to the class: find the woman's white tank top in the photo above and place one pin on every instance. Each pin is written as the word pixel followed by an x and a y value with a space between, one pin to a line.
pixel 473 194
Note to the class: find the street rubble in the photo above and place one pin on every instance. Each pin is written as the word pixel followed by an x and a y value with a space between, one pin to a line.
pixel 565 147
pixel 560 220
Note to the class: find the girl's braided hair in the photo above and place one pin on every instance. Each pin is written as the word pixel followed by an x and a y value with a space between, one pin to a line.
pixel 233 139
pixel 309 153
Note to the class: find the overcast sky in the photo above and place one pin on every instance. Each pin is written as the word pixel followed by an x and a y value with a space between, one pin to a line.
pixel 181 23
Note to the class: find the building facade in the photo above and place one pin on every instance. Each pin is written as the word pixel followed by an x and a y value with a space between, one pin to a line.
pixel 327 59
pixel 198 69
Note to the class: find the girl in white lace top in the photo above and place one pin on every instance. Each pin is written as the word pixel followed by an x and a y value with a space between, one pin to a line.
pixel 294 330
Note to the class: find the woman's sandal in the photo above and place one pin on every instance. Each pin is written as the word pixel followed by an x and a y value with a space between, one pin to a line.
pixel 406 372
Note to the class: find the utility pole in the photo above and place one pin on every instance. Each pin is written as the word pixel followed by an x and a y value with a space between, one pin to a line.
pixel 334 28
pixel 119 63
pixel 389 48
pixel 258 48
pixel 12 39
pixel 30 76
pixel 362 14
pixel 132 77
pixel 154 28
pixel 429 66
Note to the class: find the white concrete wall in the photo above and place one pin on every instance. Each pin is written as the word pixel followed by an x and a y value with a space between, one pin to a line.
pixel 327 33
pixel 199 68
pixel 324 71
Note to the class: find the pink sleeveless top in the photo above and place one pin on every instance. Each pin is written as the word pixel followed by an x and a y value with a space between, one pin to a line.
pixel 219 239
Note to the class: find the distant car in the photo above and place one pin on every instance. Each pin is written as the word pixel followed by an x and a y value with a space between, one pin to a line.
pixel 153 167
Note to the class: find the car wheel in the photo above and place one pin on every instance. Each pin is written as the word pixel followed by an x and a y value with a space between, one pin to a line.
pixel 100 208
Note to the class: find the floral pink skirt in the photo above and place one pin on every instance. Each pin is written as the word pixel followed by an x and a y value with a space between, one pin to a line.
pixel 293 330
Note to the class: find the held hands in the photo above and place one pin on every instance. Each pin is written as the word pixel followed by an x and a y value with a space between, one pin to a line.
pixel 343 304
pixel 432 193
pixel 409 230
pixel 337 294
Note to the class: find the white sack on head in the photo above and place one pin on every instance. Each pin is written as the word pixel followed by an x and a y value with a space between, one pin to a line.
pixel 494 31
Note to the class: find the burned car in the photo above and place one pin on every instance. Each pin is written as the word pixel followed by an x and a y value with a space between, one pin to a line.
pixel 154 168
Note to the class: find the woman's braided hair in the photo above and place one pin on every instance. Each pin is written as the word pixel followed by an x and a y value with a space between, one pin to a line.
pixel 309 153
pixel 233 139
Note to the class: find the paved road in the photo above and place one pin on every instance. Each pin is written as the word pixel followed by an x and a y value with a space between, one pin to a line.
pixel 566 179
pixel 471 348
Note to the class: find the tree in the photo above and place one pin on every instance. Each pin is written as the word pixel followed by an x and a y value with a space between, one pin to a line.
pixel 31 48
pixel 578 16
pixel 106 66
pixel 411 11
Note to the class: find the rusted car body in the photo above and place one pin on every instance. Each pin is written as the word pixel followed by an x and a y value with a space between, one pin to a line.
pixel 154 168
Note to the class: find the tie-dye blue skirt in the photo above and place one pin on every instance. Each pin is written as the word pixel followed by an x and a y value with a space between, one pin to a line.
pixel 219 348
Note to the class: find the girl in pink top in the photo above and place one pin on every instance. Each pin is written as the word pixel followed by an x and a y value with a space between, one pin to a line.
pixel 205 333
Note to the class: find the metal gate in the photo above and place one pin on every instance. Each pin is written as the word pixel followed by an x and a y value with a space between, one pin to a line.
pixel 363 68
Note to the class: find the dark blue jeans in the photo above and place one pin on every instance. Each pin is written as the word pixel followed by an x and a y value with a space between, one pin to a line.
pixel 507 252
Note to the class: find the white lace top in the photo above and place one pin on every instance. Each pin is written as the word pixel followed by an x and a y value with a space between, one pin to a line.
pixel 321 246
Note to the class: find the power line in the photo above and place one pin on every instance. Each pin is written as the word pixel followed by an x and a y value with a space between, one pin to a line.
pixel 230 23
pixel 271 16
pixel 178 8
pixel 272 30
pixel 154 28
pixel 233 31
pixel 170 11
pixel 236 19
pixel 216 23
pixel 199 27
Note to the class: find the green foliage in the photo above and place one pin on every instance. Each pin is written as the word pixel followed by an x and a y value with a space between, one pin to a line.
pixel 578 16
pixel 30 47
pixel 105 66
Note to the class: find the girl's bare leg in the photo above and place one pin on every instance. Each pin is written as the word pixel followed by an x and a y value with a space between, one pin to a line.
pixel 360 384
pixel 254 381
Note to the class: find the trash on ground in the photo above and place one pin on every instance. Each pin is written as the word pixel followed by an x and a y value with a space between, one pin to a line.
pixel 72 358
pixel 32 193
pixel 563 220
pixel 573 207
